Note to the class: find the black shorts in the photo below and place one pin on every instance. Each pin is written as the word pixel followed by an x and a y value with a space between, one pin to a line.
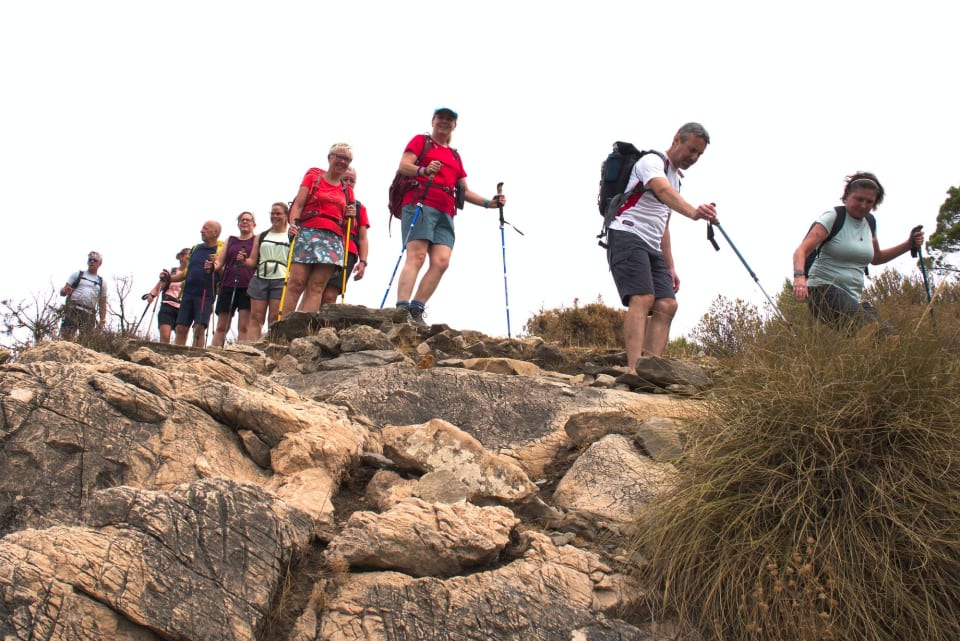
pixel 337 279
pixel 637 269
pixel 228 294
pixel 167 315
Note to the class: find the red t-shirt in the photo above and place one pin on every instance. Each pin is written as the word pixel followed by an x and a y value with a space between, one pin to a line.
pixel 327 202
pixel 441 192
pixel 361 221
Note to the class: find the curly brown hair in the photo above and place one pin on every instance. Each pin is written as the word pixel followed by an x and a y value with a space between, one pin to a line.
pixel 863 180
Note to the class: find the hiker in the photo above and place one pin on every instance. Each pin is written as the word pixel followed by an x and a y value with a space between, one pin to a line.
pixel 833 284
pixel 170 304
pixel 433 234
pixel 234 279
pixel 268 259
pixel 86 298
pixel 639 252
pixel 357 252
pixel 199 286
pixel 317 219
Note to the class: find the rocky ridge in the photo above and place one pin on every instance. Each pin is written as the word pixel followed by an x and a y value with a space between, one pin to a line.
pixel 350 478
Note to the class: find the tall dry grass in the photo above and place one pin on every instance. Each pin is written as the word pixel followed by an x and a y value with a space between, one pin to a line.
pixel 821 497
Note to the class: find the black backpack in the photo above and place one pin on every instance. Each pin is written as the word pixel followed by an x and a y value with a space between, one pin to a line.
pixel 614 176
pixel 76 281
pixel 834 230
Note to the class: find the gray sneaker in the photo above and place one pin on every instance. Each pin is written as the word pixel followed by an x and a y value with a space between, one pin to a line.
pixel 416 317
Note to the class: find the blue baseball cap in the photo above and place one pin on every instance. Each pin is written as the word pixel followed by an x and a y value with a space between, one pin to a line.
pixel 448 110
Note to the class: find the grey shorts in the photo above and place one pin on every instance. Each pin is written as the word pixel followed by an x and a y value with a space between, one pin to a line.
pixel 432 225
pixel 265 288
pixel 638 270
pixel 318 247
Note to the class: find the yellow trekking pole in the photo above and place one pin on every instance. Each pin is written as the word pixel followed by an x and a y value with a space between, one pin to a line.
pixel 286 276
pixel 346 260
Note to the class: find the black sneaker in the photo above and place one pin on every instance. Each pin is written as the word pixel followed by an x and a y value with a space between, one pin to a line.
pixel 416 317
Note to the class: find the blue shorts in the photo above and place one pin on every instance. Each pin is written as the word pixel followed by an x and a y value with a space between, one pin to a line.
pixel 433 226
pixel 192 312
pixel 638 270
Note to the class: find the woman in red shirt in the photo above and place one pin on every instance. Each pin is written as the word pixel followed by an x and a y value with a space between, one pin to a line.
pixel 318 218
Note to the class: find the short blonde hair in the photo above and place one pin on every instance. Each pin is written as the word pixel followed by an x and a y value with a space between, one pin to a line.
pixel 340 146
pixel 247 213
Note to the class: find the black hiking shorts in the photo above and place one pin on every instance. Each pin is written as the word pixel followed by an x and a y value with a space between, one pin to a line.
pixel 638 270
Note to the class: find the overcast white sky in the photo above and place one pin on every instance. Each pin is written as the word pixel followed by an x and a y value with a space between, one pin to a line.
pixel 125 125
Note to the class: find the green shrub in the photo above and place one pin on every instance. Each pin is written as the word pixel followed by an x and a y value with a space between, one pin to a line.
pixel 727 327
pixel 593 326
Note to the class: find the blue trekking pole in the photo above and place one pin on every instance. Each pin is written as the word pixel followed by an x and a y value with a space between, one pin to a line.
pixel 406 240
pixel 736 251
pixel 503 248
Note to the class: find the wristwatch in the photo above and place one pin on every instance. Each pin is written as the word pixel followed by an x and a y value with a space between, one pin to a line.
pixel 798 272
pixel 364 261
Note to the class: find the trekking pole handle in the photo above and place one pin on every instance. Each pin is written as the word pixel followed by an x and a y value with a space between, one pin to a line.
pixel 914 249
pixel 499 205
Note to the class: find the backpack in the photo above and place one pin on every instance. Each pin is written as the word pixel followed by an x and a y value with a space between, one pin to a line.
pixel 76 281
pixel 834 230
pixel 402 184
pixel 614 176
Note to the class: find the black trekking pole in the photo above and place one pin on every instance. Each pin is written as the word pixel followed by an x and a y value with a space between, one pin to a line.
pixel 503 248
pixel 742 260
pixel 917 252
pixel 136 328
pixel 233 297
pixel 406 240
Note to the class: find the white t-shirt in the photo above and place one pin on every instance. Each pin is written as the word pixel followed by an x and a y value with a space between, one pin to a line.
pixel 646 216
pixel 87 292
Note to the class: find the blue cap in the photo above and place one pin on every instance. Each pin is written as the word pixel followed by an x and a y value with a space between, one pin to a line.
pixel 446 109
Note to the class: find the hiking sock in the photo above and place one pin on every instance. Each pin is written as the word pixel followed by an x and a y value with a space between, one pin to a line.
pixel 418 304
pixel 403 303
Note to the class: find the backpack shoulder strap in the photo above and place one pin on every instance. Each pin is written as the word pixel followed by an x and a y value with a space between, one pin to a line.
pixel 872 221
pixel 76 281
pixel 263 235
pixel 837 223
pixel 640 187
pixel 427 144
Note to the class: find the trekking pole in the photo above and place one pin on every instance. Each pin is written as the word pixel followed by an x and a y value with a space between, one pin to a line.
pixel 203 305
pixel 742 260
pixel 136 327
pixel 286 275
pixel 233 296
pixel 153 314
pixel 406 240
pixel 917 252
pixel 503 249
pixel 346 261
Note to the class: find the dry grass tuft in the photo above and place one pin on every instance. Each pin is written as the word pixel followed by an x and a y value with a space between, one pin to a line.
pixel 821 497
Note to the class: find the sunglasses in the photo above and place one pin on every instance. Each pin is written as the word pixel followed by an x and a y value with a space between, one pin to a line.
pixel 346 159
pixel 91 259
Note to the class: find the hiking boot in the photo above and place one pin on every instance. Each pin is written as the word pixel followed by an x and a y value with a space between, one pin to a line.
pixel 416 317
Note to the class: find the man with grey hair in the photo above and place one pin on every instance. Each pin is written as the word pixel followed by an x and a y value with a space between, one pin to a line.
pixel 639 251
